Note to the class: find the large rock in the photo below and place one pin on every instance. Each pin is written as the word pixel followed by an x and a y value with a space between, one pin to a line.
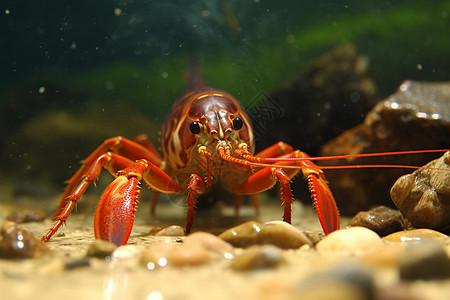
pixel 424 196
pixel 331 95
pixel 417 116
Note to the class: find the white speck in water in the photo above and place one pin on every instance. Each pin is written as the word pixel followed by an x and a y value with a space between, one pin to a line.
pixel 41 90
pixel 7 11
pixel 164 75
pixel 109 85
pixel 355 97
pixel 290 38
pixel 117 12
pixel 419 67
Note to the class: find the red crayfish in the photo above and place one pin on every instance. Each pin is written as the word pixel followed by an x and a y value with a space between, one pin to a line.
pixel 207 137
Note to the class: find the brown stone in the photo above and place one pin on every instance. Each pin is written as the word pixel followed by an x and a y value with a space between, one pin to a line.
pixel 258 257
pixel 331 95
pixel 278 233
pixel 424 196
pixel 16 242
pixel 417 116
pixel 381 219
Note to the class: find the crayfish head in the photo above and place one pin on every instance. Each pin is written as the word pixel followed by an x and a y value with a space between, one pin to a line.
pixel 204 118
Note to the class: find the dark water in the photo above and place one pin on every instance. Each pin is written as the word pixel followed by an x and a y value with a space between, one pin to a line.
pixel 75 72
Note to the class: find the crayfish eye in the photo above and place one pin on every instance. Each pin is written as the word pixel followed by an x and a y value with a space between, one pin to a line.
pixel 237 123
pixel 195 127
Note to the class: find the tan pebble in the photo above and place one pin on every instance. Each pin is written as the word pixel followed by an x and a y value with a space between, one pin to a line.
pixel 101 249
pixel 283 235
pixel 415 235
pixel 210 242
pixel 173 230
pixel 243 235
pixel 257 257
pixel 126 256
pixel 188 255
pixel 351 240
pixel 386 256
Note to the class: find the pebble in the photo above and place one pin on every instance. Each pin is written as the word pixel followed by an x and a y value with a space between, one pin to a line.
pixel 20 243
pixel 381 219
pixel 278 233
pixel 258 257
pixel 173 230
pixel 26 215
pixel 426 259
pixel 344 281
pixel 283 235
pixel 415 235
pixel 191 255
pixel 244 235
pixel 126 256
pixel 210 242
pixel 353 239
pixel 196 249
pixel 100 249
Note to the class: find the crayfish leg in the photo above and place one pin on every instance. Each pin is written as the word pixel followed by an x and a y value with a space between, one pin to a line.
pixel 324 203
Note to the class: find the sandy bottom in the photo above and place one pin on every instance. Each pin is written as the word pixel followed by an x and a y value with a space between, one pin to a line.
pixel 68 274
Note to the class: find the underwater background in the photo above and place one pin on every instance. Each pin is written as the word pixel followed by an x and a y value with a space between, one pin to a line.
pixel 76 72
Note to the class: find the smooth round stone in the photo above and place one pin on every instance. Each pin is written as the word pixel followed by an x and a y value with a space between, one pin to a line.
pixel 258 257
pixel 278 233
pixel 415 235
pixel 242 236
pixel 283 235
pixel 211 243
pixel 188 255
pixel 100 249
pixel 173 230
pixel 426 259
pixel 353 239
